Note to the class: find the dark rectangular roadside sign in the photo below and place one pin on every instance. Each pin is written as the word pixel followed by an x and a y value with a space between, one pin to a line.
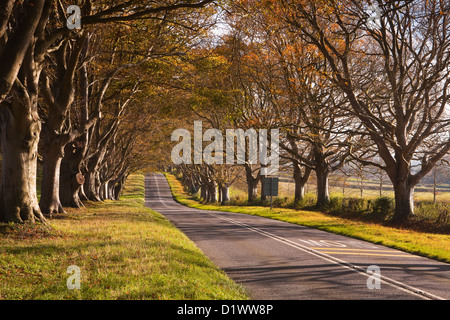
pixel 271 187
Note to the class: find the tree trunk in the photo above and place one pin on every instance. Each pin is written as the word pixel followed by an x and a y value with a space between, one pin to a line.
pixel 118 187
pixel 252 189
pixel 50 202
pixel 323 194
pixel 252 184
pixel 225 192
pixel 115 186
pixel 91 186
pixel 189 184
pixel 212 193
pixel 263 189
pixel 71 179
pixel 101 192
pixel 381 186
pixel 19 143
pixel 204 193
pixel 118 190
pixel 220 186
pixel 56 131
pixel 299 191
pixel 300 181
pixel 82 194
pixel 20 124
pixel 404 202
pixel 69 189
pixel 111 190
pixel 93 182
pixel 104 191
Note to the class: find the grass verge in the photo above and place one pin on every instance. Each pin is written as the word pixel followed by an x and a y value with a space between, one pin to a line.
pixel 435 246
pixel 124 251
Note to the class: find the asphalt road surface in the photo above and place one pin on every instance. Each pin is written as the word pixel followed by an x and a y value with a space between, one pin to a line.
pixel 276 260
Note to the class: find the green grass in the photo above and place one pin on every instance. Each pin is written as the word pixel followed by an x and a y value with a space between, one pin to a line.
pixel 435 246
pixel 124 251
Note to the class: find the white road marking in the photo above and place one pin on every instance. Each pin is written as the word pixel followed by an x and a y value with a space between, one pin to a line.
pixel 389 281
pixel 159 194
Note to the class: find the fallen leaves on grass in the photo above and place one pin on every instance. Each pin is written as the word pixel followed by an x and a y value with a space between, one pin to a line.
pixel 29 231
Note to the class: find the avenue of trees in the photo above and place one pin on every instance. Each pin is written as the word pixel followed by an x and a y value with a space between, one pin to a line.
pixel 365 82
pixel 76 101
pixel 347 82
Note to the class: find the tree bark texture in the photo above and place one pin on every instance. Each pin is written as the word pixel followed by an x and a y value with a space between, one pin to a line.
pixel 20 131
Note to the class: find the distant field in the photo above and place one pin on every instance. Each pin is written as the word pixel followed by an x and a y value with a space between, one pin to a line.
pixel 352 190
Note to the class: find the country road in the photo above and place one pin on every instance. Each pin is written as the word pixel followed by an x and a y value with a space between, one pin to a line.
pixel 276 260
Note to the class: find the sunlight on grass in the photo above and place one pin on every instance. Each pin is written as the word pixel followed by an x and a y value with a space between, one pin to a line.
pixel 125 251
pixel 436 246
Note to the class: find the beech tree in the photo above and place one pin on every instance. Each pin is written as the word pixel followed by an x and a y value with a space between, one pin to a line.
pixel 285 71
pixel 57 129
pixel 394 71
pixel 29 30
pixel 22 58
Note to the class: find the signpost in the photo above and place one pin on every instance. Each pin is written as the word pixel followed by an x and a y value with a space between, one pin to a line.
pixel 270 188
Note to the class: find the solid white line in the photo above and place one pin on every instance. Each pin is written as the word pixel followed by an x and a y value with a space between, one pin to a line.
pixel 169 208
pixel 389 281
pixel 159 194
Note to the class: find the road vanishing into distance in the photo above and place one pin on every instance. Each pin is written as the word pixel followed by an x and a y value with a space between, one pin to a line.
pixel 276 260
